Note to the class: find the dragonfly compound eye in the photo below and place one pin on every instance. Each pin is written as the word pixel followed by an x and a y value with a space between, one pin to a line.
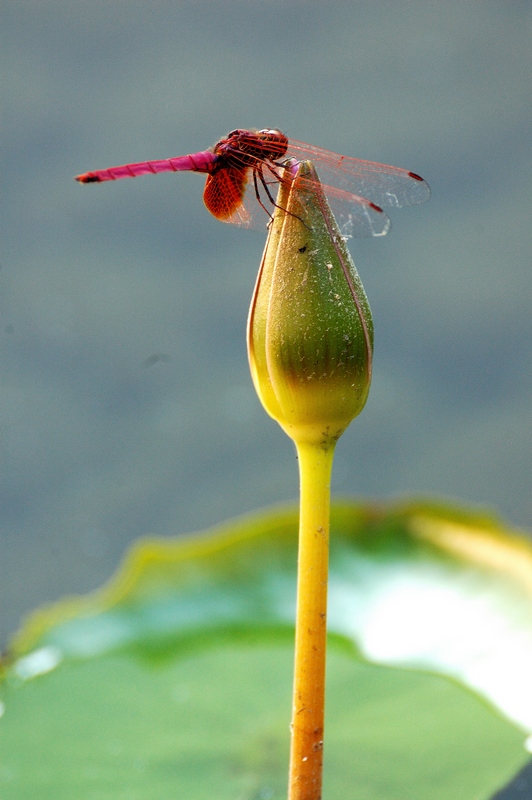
pixel 277 143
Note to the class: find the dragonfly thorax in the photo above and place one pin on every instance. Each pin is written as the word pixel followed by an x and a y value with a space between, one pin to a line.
pixel 242 148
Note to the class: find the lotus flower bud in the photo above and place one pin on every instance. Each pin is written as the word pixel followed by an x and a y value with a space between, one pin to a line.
pixel 310 332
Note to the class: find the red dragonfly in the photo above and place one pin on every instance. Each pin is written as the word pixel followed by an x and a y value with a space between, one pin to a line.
pixel 243 166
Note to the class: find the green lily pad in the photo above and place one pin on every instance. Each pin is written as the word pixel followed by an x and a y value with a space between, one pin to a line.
pixel 174 681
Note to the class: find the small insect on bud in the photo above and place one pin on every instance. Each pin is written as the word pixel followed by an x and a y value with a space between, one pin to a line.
pixel 310 332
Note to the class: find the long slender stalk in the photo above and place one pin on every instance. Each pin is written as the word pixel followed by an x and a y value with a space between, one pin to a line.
pixel 310 344
pixel 306 754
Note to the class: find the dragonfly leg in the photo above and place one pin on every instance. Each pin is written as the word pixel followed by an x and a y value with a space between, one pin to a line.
pixel 257 191
pixel 258 171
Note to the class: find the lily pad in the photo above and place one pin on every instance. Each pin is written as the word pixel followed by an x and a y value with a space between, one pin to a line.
pixel 174 680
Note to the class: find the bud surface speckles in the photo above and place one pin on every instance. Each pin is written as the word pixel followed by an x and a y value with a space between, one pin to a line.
pixel 310 332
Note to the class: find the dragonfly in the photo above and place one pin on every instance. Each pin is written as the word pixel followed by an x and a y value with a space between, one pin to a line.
pixel 243 168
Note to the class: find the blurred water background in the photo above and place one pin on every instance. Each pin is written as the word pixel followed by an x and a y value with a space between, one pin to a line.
pixel 126 406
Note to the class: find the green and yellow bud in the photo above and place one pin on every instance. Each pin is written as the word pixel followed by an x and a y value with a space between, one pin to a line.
pixel 310 332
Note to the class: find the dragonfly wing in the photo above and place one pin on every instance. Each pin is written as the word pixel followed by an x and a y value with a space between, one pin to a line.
pixel 224 195
pixel 382 184
pixel 355 215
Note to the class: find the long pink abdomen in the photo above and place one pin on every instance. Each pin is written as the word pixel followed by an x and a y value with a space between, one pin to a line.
pixel 196 162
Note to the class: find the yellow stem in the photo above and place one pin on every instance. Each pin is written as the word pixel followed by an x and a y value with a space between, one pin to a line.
pixel 306 753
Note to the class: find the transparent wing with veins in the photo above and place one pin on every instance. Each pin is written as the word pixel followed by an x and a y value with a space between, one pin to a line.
pixel 357 190
pixel 231 196
pixel 380 183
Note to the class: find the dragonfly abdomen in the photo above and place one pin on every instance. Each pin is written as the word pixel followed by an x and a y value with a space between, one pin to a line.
pixel 205 161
